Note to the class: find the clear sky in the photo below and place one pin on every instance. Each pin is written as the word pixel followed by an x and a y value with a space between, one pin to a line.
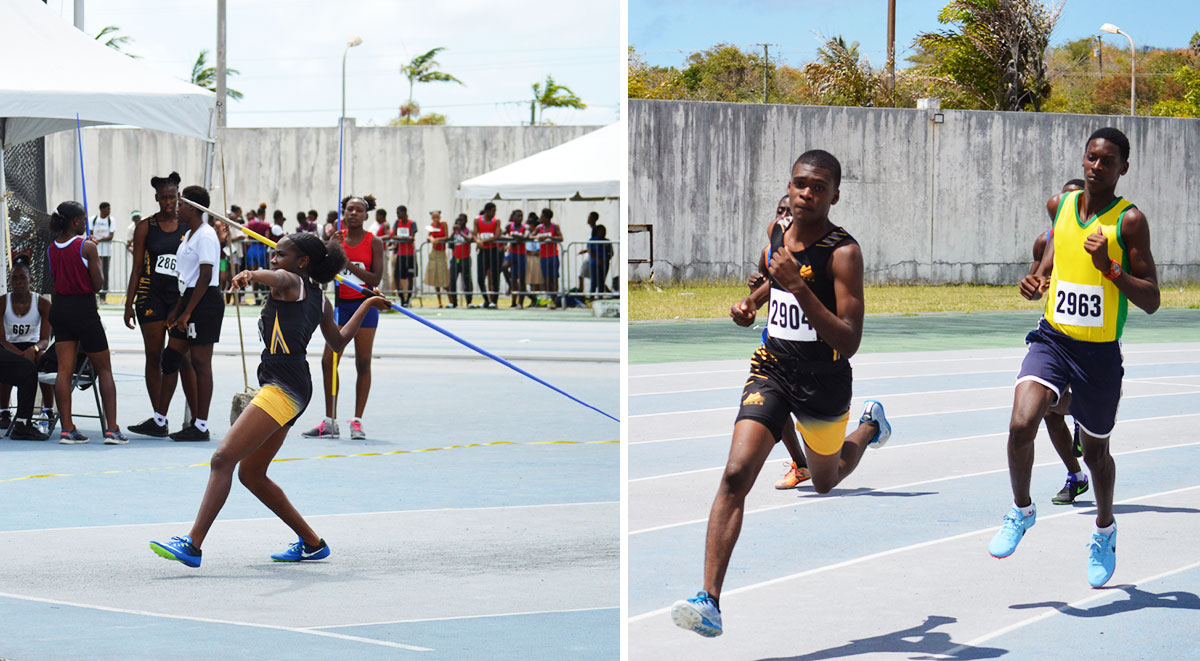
pixel 667 31
pixel 289 53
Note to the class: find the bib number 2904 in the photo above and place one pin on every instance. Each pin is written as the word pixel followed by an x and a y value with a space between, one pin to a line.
pixel 786 320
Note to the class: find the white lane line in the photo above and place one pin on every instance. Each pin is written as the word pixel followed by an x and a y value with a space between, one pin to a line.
pixel 883 449
pixel 902 446
pixel 866 361
pixel 920 376
pixel 912 415
pixel 209 620
pixel 815 500
pixel 912 547
pixel 1100 594
pixel 679 438
pixel 322 516
pixel 463 617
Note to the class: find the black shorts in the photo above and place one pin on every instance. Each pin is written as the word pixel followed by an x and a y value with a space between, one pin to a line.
pixel 21 346
pixel 1092 370
pixel 75 318
pixel 204 326
pixel 405 265
pixel 285 389
pixel 155 304
pixel 818 394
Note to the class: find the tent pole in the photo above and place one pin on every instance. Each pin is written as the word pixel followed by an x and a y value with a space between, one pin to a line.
pixel 208 151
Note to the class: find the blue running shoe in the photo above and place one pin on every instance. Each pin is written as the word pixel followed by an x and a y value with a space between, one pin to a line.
pixel 1102 558
pixel 698 614
pixel 1010 534
pixel 873 412
pixel 301 551
pixel 179 548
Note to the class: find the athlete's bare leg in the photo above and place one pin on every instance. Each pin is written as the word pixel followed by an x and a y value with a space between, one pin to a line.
pixel 1031 401
pixel 752 442
pixel 1104 475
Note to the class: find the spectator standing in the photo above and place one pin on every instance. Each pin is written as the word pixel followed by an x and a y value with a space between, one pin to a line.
pixel 404 234
pixel 516 234
pixel 101 230
pixel 487 238
pixel 533 259
pixel 549 236
pixel 460 262
pixel 437 274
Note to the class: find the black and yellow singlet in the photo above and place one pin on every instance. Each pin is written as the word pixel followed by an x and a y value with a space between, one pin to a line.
pixel 789 334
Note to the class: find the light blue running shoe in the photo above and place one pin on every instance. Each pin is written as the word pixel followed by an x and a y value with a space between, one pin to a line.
pixel 873 412
pixel 698 614
pixel 301 551
pixel 1010 534
pixel 1102 558
pixel 179 548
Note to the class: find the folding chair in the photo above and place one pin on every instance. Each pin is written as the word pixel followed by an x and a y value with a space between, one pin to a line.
pixel 83 378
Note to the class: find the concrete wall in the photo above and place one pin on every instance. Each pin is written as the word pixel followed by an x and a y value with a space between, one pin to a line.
pixel 960 201
pixel 297 169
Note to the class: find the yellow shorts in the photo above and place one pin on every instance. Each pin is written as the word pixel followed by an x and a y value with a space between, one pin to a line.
pixel 277 403
pixel 823 436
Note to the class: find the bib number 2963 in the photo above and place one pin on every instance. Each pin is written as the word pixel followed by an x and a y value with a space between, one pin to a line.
pixel 786 320
pixel 1079 305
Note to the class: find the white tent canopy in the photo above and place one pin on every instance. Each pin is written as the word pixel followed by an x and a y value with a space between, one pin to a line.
pixel 588 167
pixel 49 71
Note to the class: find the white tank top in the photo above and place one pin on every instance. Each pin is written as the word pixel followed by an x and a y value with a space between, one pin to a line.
pixel 26 328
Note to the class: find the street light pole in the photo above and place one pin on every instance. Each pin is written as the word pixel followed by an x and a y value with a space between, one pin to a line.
pixel 1112 29
pixel 349 44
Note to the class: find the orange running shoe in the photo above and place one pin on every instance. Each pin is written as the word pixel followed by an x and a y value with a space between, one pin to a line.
pixel 794 477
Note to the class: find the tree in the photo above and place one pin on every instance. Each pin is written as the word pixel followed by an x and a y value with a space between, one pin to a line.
pixel 995 51
pixel 206 76
pixel 841 78
pixel 552 95
pixel 115 41
pixel 652 82
pixel 422 69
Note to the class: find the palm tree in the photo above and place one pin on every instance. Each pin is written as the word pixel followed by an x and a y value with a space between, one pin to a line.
pixel 422 69
pixel 114 41
pixel 552 95
pixel 206 76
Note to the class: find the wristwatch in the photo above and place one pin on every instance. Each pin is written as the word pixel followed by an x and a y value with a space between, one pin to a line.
pixel 1114 270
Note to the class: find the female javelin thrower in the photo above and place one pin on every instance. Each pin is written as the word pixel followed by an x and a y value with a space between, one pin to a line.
pixel 292 312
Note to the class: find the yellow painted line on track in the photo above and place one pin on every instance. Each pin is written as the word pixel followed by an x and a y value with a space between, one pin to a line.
pixel 323 456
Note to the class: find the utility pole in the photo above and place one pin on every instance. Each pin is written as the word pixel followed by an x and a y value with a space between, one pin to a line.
pixel 891 53
pixel 766 68
pixel 1099 54
pixel 221 93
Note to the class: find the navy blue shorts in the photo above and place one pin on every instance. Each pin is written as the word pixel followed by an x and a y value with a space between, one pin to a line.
pixel 516 266
pixel 1092 370
pixel 550 267
pixel 346 307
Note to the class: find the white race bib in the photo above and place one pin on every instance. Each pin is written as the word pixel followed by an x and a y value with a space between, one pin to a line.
pixel 786 320
pixel 1079 305
pixel 403 232
pixel 165 265
pixel 484 236
pixel 350 277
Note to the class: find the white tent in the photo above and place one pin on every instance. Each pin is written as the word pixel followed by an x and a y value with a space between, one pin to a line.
pixel 588 167
pixel 51 73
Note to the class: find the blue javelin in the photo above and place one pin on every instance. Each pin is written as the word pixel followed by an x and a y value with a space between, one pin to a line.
pixel 87 227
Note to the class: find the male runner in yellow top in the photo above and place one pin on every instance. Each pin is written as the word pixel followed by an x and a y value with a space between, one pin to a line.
pixel 1101 260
